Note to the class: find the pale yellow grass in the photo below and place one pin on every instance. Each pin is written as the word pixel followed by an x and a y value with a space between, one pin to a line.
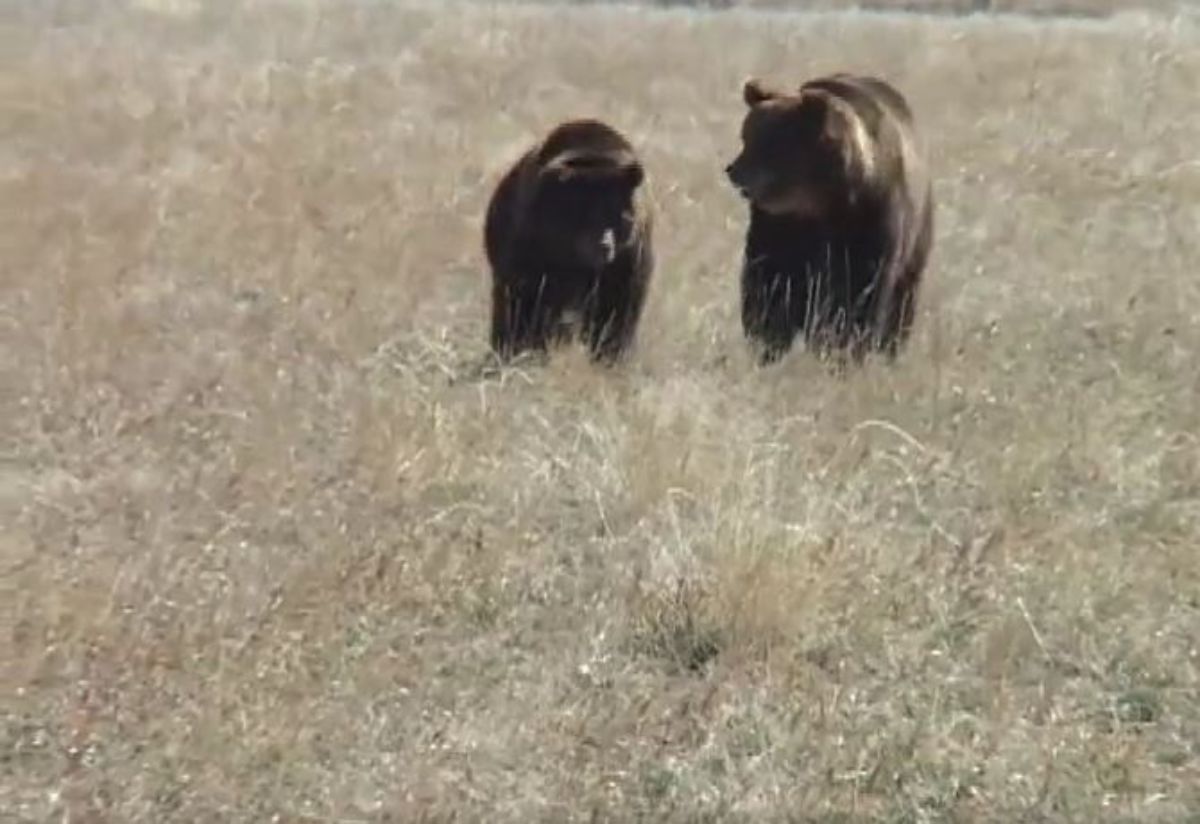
pixel 270 553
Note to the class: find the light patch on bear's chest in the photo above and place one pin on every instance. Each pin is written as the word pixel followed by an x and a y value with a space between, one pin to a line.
pixel 608 245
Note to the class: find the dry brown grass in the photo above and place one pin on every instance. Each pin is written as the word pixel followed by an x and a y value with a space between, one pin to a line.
pixel 268 555
pixel 1039 8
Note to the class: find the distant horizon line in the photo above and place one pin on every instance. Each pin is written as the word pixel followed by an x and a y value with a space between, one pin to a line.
pixel 946 8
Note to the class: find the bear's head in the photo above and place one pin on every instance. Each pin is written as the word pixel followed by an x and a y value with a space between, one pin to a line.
pixel 586 201
pixel 802 153
pixel 586 206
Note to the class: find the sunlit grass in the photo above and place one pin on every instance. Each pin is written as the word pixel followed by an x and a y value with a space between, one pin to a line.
pixel 272 552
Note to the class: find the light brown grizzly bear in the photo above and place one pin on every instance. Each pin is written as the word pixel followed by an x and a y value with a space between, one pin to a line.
pixel 841 216
pixel 568 238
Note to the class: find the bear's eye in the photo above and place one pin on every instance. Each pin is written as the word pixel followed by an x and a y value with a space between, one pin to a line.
pixel 770 145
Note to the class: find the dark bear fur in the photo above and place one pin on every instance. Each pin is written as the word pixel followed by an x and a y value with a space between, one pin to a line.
pixel 568 238
pixel 841 217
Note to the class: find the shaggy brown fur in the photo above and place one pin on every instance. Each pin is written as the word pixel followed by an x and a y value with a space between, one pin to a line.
pixel 841 216
pixel 568 238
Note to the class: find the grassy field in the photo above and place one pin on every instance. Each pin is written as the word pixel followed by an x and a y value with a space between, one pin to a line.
pixel 1029 8
pixel 270 553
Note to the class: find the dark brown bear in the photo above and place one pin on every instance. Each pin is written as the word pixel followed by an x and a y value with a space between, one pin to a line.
pixel 568 237
pixel 841 216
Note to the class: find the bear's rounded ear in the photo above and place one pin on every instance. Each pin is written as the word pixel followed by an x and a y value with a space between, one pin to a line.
pixel 634 174
pixel 817 107
pixel 754 92
pixel 833 115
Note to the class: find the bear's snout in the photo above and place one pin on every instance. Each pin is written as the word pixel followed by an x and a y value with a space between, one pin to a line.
pixel 736 173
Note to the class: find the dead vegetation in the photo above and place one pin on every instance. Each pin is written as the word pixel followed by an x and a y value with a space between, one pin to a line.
pixel 271 552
